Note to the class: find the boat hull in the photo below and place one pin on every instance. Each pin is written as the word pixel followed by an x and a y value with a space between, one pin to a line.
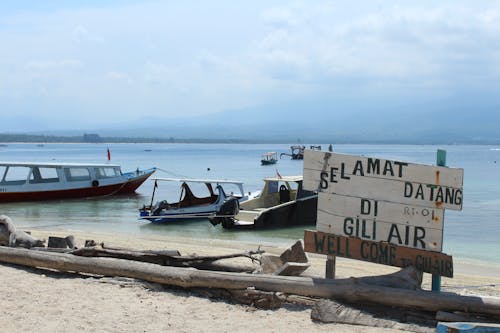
pixel 294 213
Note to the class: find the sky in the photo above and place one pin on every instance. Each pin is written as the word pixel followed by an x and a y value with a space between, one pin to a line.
pixel 94 64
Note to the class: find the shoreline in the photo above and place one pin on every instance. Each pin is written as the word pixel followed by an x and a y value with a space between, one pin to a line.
pixel 469 279
pixel 461 265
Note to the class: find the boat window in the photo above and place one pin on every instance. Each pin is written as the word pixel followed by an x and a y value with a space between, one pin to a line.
pixel 106 172
pixel 232 189
pixel 76 174
pixel 43 175
pixel 272 187
pixel 16 175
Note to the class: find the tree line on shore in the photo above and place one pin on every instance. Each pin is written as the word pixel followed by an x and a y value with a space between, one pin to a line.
pixel 95 138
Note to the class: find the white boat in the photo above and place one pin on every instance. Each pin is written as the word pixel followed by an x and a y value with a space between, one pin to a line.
pixel 28 181
pixel 282 202
pixel 191 205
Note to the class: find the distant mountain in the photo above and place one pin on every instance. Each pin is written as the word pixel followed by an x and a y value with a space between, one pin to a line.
pixel 460 120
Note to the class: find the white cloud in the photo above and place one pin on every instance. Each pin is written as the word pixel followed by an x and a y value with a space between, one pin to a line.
pixel 81 34
pixel 53 64
pixel 119 76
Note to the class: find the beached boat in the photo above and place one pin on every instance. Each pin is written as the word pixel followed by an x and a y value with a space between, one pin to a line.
pixel 269 158
pixel 191 205
pixel 282 202
pixel 22 181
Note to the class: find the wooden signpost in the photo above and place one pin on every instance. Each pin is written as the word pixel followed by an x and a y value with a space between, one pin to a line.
pixel 383 211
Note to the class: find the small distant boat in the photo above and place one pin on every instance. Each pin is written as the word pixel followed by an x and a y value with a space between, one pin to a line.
pixel 22 181
pixel 269 158
pixel 191 206
pixel 282 203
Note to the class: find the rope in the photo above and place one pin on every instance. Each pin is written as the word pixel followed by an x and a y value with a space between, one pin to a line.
pixel 177 175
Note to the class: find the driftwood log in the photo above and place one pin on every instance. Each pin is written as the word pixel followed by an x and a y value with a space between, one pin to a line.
pixel 292 262
pixel 169 258
pixel 327 311
pixel 11 236
pixel 350 290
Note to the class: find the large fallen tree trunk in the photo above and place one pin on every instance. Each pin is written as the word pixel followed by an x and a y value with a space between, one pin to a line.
pixel 170 258
pixel 345 289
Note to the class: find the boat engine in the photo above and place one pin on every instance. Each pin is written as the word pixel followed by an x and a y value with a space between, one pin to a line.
pixel 159 206
pixel 226 212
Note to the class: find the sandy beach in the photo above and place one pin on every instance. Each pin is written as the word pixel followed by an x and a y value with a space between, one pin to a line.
pixel 48 301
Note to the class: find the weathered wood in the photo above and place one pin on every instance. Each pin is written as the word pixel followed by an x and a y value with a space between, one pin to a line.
pixel 344 289
pixel 295 253
pixel 57 242
pixel 386 180
pixel 463 317
pixel 257 298
pixel 410 226
pixel 10 236
pixel 70 241
pixel 331 260
pixel 407 278
pixel 378 252
pixel 293 261
pixel 250 296
pixel 328 311
pixel 169 258
pixel 6 228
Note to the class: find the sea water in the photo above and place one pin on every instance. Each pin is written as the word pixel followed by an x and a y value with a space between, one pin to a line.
pixel 469 235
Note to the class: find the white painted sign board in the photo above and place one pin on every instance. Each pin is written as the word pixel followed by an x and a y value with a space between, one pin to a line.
pixel 383 180
pixel 405 225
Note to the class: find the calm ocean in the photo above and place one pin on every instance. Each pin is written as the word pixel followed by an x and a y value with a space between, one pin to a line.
pixel 470 235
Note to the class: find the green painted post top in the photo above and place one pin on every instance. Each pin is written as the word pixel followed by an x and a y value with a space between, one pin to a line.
pixel 441 157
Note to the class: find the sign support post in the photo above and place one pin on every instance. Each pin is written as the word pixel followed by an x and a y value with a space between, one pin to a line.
pixel 440 161
pixel 330 267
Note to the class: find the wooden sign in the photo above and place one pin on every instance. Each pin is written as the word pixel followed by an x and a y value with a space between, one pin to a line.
pixel 383 180
pixel 378 252
pixel 405 225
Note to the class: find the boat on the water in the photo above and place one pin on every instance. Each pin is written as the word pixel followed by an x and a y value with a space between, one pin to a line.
pixel 282 203
pixel 296 152
pixel 21 181
pixel 269 158
pixel 190 205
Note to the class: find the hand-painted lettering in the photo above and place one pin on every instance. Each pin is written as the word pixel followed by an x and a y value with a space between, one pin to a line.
pixel 433 193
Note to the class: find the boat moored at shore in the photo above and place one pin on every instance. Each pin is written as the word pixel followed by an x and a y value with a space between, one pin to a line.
pixel 191 205
pixel 22 181
pixel 282 203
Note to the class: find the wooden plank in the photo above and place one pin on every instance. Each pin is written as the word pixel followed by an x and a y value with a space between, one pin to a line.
pixel 411 226
pixel 410 184
pixel 372 167
pixel 378 252
pixel 389 212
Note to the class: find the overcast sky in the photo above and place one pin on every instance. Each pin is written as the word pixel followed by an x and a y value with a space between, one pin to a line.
pixel 76 64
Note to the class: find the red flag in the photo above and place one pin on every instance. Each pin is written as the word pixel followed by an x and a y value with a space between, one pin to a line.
pixel 109 155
